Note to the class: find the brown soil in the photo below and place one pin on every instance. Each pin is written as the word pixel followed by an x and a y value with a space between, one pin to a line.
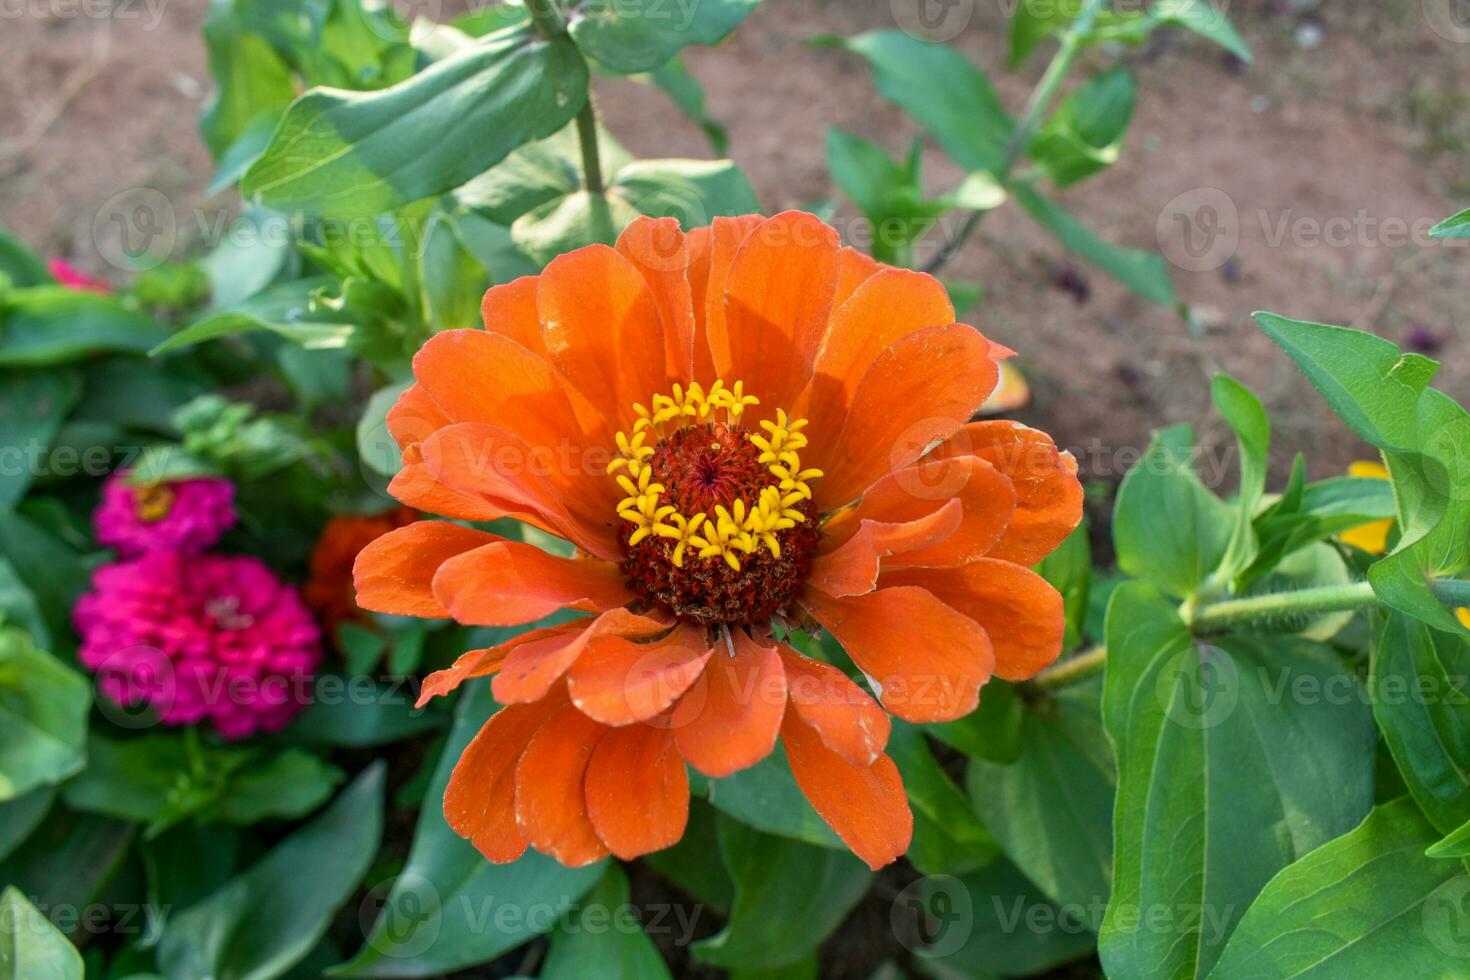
pixel 1366 128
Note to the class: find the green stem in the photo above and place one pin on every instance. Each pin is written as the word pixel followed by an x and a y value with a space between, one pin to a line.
pixel 587 136
pixel 552 25
pixel 1037 106
pixel 1215 615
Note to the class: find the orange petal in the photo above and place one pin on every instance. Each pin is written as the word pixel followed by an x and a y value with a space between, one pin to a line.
pixel 637 790
pixel 479 802
pixel 926 660
pixel 510 310
pixel 711 250
pixel 395 573
pixel 483 663
pixel 414 416
pixel 657 250
pixel 918 391
pixel 603 330
pixel 853 269
pixel 865 805
pixel 850 723
pixel 551 803
pixel 986 496
pixel 852 567
pixel 730 718
pixel 777 303
pixel 1048 494
pixel 476 376
pixel 415 486
pixel 889 305
pixel 508 583
pixel 488 462
pixel 531 669
pixel 617 681
pixel 1019 609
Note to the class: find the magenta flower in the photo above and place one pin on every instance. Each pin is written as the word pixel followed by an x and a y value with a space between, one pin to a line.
pixel 73 278
pixel 200 637
pixel 186 516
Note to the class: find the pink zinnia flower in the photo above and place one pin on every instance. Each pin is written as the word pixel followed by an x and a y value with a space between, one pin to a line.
pixel 200 637
pixel 184 515
pixel 73 278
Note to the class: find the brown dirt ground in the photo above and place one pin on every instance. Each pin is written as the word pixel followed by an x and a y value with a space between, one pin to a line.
pixel 1370 122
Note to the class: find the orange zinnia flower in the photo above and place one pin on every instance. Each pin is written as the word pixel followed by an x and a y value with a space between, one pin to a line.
pixel 329 592
pixel 743 425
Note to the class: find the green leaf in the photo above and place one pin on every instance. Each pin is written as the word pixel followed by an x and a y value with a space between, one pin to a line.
pixel 992 731
pixel 569 222
pixel 32 407
pixel 1203 18
pixel 1252 429
pixel 287 310
pixel 49 325
pixel 1369 383
pixel 1456 227
pixel 788 897
pixel 948 837
pixel 19 266
pixel 20 816
pixel 31 948
pixel 376 447
pixel 355 712
pixel 49 567
pixel 449 908
pixel 536 174
pixel 603 939
pixel 250 79
pixel 1085 133
pixel 1455 844
pixel 348 155
pixel 1419 701
pixel 1036 20
pixel 159 781
pixel 687 864
pixel 1069 570
pixel 890 193
pixel 1143 272
pixel 995 920
pixel 1234 760
pixel 630 36
pixel 1051 809
pixel 248 258
pixel 69 859
pixel 765 796
pixel 1368 904
pixel 694 191
pixel 940 88
pixel 264 921
pixel 43 716
pixel 674 78
pixel 1167 527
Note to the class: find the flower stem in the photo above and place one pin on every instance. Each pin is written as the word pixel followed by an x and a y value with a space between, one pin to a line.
pixel 1230 612
pixel 552 25
pixel 1037 105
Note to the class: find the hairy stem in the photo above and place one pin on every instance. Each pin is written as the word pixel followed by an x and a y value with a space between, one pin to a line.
pixel 551 24
pixel 1037 106
pixel 1230 612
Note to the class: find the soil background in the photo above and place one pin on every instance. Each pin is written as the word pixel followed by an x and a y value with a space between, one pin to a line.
pixel 1349 128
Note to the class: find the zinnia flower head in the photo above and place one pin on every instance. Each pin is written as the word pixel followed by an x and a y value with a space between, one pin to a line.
pixel 743 430
pixel 199 637
pixel 329 592
pixel 186 516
